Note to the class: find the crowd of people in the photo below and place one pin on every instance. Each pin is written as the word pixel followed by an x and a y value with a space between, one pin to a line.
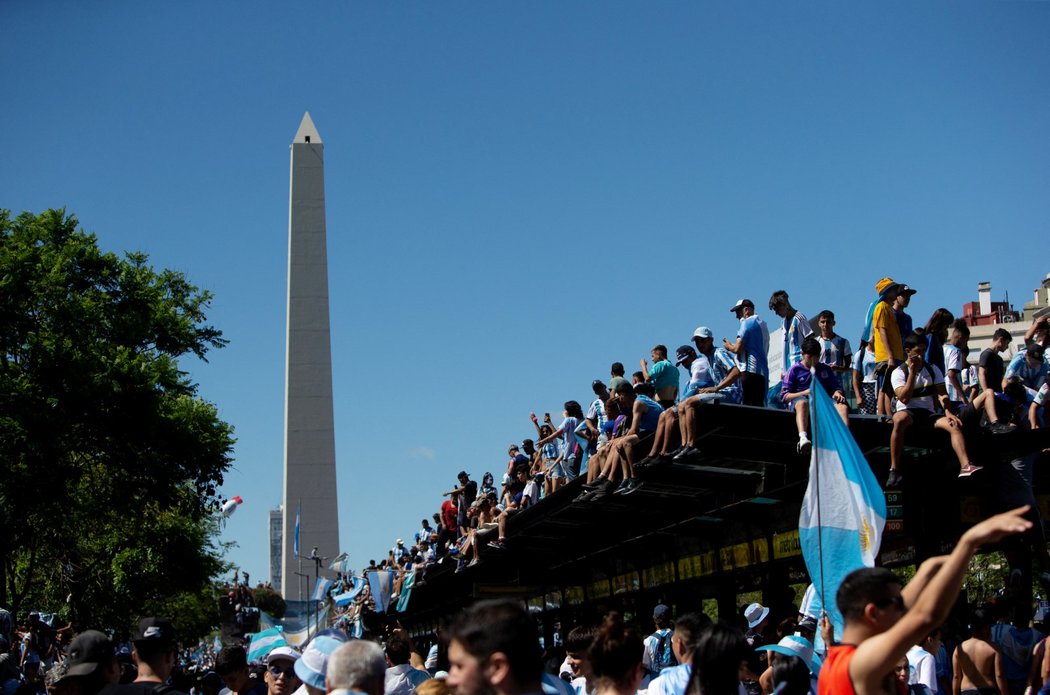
pixel 913 377
pixel 898 637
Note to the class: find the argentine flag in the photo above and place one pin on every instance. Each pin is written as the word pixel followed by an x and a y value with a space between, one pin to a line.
pixel 321 589
pixel 381 582
pixel 844 511
pixel 357 585
pixel 406 591
pixel 264 642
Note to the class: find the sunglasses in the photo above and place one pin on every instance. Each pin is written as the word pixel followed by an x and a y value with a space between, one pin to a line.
pixel 276 671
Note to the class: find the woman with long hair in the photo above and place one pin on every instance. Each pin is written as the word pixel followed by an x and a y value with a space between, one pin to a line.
pixel 720 655
pixel 615 656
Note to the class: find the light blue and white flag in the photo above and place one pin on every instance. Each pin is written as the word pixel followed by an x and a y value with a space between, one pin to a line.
pixel 844 510
pixel 262 643
pixel 295 538
pixel 341 563
pixel 357 628
pixel 381 583
pixel 406 591
pixel 321 589
pixel 357 585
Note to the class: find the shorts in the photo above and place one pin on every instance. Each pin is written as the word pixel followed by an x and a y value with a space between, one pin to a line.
pixel 753 389
pixel 571 466
pixel 557 471
pixel 922 417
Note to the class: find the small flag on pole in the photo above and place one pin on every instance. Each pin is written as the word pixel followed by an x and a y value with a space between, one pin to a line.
pixel 295 538
pixel 321 589
pixel 844 510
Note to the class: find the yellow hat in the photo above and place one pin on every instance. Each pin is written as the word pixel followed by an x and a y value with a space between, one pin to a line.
pixel 885 285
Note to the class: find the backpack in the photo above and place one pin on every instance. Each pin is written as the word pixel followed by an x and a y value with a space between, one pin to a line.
pixel 663 655
pixel 921 391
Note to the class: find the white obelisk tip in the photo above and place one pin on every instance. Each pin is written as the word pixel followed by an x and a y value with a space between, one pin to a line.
pixel 307 132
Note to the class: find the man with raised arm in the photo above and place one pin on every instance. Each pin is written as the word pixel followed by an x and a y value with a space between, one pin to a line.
pixel 883 620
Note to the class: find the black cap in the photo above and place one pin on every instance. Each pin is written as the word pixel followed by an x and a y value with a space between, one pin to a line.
pixel 155 630
pixel 685 352
pixel 87 650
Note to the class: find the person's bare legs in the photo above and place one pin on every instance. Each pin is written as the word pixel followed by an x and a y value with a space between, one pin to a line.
pixel 901 422
pixel 663 433
pixel 843 413
pixel 954 430
pixel 802 415
pixel 629 444
pixel 686 416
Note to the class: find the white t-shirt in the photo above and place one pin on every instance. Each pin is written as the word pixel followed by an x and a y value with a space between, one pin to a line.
pixel 953 361
pixel 532 491
pixel 922 380
pixel 923 668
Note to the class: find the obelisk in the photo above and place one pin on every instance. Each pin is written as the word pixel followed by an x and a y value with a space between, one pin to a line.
pixel 309 428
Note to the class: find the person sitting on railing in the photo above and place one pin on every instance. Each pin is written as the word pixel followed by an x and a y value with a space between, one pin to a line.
pixel 1030 367
pixel 482 514
pixel 668 436
pixel 794 390
pixel 725 375
pixel 521 501
pixel 619 465
pixel 663 376
pixel 919 387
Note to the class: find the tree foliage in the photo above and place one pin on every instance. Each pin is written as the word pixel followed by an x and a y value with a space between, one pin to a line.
pixel 109 460
pixel 269 601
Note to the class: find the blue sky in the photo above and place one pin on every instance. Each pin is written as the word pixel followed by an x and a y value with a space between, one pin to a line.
pixel 520 194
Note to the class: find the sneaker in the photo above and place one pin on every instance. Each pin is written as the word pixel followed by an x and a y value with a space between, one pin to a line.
pixel 603 491
pixel 685 453
pixel 598 482
pixel 586 496
pixel 1002 427
pixel 460 567
pixel 498 544
pixel 474 562
pixel 894 479
pixel 804 446
pixel 635 486
pixel 623 487
pixel 968 470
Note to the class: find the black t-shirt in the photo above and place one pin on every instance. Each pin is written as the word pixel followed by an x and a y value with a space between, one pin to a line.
pixel 993 369
pixel 470 493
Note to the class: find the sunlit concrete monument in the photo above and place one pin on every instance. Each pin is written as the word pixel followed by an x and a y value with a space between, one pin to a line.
pixel 309 429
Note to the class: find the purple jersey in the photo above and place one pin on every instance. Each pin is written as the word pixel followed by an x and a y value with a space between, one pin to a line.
pixel 798 379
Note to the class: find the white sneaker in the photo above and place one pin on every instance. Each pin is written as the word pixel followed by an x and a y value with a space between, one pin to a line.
pixel 804 445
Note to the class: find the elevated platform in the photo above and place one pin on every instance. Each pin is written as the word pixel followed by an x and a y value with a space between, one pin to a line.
pixel 725 522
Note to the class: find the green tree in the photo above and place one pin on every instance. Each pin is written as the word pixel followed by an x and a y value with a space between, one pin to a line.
pixel 109 460
pixel 269 601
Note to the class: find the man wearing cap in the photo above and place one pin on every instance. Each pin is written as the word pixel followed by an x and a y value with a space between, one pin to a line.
pixel 465 495
pixel 280 675
pixel 154 653
pixel 885 333
pixel 313 665
pixel 232 666
pixel 663 375
pixel 92 665
pixel 751 349
pixel 904 322
pixel 659 653
pixel 356 667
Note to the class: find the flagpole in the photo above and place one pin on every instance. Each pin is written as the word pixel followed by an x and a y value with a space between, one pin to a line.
pixel 816 470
